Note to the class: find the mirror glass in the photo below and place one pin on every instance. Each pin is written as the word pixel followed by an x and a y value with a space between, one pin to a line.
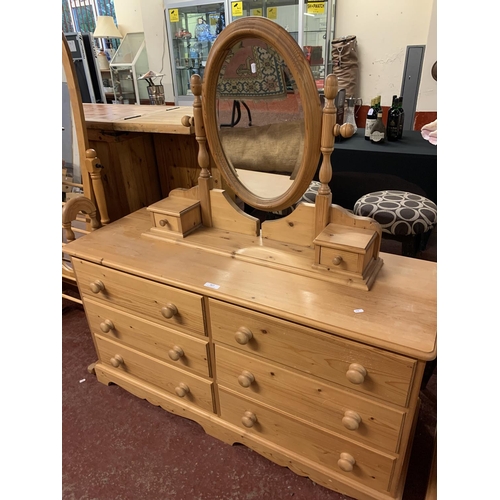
pixel 260 117
pixel 262 113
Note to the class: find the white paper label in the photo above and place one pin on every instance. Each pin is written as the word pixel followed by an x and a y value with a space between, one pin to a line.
pixel 211 285
pixel 357 311
pixel 253 67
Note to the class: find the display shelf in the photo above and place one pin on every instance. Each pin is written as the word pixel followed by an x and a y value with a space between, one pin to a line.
pixel 311 24
pixel 129 62
pixel 192 28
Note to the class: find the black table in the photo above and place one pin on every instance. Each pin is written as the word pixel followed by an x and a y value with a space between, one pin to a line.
pixel 360 167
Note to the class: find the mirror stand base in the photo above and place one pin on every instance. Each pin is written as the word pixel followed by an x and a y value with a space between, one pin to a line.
pixel 343 254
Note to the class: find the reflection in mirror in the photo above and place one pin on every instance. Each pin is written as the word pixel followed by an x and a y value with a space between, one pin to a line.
pixel 260 117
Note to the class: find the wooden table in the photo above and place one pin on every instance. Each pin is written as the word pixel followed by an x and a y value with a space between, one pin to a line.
pixel 360 167
pixel 145 152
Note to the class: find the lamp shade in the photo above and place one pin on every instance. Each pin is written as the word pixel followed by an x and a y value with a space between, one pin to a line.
pixel 106 28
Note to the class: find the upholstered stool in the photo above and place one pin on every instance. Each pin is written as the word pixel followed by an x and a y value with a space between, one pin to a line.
pixel 403 216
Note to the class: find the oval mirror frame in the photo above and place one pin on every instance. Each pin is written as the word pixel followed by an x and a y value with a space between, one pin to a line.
pixel 293 56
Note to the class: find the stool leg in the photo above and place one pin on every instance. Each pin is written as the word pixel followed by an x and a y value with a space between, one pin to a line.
pixel 411 245
pixel 425 239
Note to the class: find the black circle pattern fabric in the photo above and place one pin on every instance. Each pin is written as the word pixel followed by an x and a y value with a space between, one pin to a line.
pixel 398 212
pixel 310 195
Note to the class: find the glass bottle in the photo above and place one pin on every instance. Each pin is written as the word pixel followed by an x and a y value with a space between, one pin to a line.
pixel 371 118
pixel 377 135
pixel 401 117
pixel 393 120
pixel 349 117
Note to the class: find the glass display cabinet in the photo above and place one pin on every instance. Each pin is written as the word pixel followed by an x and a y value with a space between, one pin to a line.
pixel 312 25
pixel 192 27
pixel 129 62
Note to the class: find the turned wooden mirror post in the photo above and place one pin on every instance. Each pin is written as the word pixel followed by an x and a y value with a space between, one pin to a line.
pixel 204 181
pixel 324 196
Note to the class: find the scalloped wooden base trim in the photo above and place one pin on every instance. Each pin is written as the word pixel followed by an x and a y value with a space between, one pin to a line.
pixel 228 433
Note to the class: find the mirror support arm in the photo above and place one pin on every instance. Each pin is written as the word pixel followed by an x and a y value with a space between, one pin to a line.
pixel 324 196
pixel 205 180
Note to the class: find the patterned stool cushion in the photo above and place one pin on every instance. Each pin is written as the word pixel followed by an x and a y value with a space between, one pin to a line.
pixel 398 212
pixel 310 195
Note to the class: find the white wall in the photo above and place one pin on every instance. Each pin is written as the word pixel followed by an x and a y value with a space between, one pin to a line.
pixel 155 33
pixel 383 29
pixel 129 16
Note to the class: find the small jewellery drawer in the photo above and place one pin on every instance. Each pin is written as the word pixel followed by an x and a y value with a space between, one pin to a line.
pixel 366 369
pixel 343 260
pixel 361 464
pixel 336 410
pixel 178 383
pixel 178 349
pixel 163 304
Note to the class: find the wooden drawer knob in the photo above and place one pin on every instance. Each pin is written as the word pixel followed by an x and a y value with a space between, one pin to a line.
pixel 163 222
pixel 246 378
pixel 243 335
pixel 169 311
pixel 248 419
pixel 356 373
pixel 175 353
pixel 351 420
pixel 116 360
pixel 346 462
pixel 181 390
pixel 97 286
pixel 107 325
pixel 337 260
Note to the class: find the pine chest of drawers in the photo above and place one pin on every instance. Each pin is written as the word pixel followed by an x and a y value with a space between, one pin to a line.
pixel 317 377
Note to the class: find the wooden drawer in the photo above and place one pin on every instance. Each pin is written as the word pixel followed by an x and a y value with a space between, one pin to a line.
pixel 341 259
pixel 371 468
pixel 310 399
pixel 189 388
pixel 178 349
pixel 388 376
pixel 150 300
pixel 345 248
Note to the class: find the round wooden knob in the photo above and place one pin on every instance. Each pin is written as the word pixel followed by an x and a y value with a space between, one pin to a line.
pixel 347 130
pixel 187 121
pixel 116 360
pixel 243 335
pixel 346 462
pixel 336 130
pixel 97 286
pixel 356 374
pixel 181 390
pixel 351 420
pixel 169 311
pixel 248 419
pixel 163 222
pixel 107 325
pixel 246 378
pixel 337 260
pixel 175 353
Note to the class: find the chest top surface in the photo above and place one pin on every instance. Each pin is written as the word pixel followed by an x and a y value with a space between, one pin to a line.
pixel 399 313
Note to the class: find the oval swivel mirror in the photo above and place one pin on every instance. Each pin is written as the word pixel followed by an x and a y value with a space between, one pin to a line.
pixel 262 113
